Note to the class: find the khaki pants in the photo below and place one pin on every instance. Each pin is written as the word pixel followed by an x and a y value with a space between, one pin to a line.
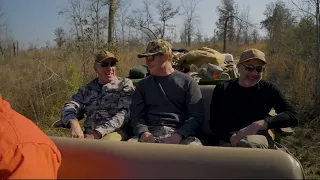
pixel 191 140
pixel 253 141
pixel 119 135
pixel 257 141
pixel 161 132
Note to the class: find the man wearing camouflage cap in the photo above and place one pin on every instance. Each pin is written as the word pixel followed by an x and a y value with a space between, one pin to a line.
pixel 246 124
pixel 167 105
pixel 105 101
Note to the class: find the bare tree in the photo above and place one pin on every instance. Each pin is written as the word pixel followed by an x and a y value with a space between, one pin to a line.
pixel 191 18
pixel 60 36
pixel 122 16
pixel 111 21
pixel 145 21
pixel 183 34
pixel 242 25
pixel 98 23
pixel 228 11
pixel 76 14
pixel 4 31
pixel 166 12
pixel 199 36
pixel 3 19
pixel 306 7
pixel 318 52
pixel 246 29
pixel 142 19
pixel 255 36
pixel 48 45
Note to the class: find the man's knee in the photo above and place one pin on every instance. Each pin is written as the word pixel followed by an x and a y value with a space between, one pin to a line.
pixel 191 141
pixel 254 141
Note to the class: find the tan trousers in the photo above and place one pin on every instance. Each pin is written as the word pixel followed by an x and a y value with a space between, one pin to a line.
pixel 253 141
pixel 119 135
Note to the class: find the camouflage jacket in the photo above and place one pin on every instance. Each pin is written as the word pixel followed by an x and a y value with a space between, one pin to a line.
pixel 107 109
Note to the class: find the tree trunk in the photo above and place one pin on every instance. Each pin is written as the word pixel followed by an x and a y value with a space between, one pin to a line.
pixel 97 44
pixel 318 56
pixel 225 33
pixel 189 35
pixel 111 24
pixel 163 29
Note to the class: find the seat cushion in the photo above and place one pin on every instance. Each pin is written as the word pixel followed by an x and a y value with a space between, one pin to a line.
pixel 206 91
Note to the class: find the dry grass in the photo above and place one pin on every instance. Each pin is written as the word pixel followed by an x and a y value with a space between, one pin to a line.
pixel 38 83
pixel 305 145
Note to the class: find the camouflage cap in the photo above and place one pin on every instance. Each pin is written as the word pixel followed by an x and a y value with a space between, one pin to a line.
pixel 158 46
pixel 103 55
pixel 252 54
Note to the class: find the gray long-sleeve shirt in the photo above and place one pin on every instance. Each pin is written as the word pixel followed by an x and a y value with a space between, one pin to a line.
pixel 173 100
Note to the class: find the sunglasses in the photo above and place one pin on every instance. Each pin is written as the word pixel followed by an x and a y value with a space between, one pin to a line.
pixel 152 58
pixel 107 63
pixel 258 69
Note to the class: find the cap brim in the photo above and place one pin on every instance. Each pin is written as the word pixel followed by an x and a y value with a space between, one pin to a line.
pixel 109 58
pixel 142 55
pixel 251 59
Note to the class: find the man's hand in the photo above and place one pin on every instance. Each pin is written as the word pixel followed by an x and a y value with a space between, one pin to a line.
pixel 76 131
pixel 147 137
pixel 252 129
pixel 175 138
pixel 94 135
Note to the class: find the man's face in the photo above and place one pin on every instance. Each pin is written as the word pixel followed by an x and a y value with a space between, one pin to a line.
pixel 250 72
pixel 155 63
pixel 106 70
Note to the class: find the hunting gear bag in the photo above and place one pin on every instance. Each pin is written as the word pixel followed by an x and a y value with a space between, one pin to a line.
pixel 202 63
pixel 138 72
pixel 202 56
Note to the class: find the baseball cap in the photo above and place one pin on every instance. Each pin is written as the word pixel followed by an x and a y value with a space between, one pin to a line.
pixel 157 46
pixel 252 54
pixel 103 55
